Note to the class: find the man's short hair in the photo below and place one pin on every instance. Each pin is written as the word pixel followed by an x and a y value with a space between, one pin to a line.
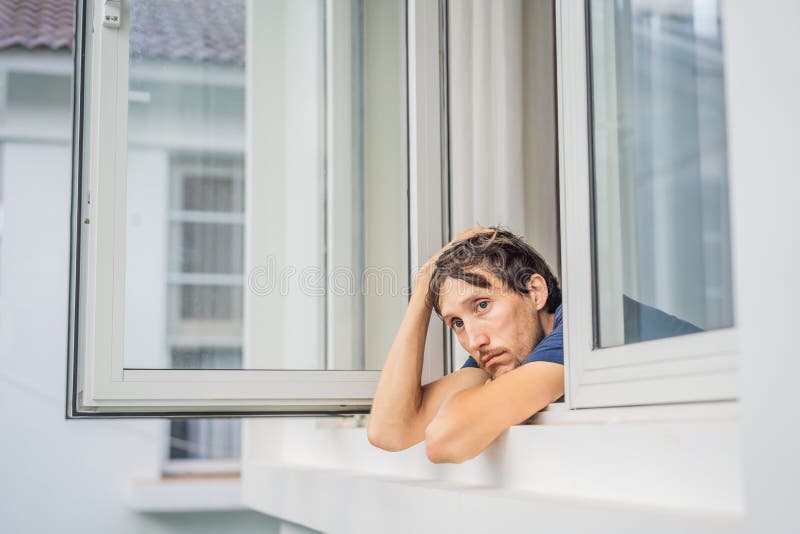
pixel 499 252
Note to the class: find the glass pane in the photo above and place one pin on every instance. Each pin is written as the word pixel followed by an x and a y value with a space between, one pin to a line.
pixel 295 101
pixel 205 439
pixel 662 237
pixel 186 154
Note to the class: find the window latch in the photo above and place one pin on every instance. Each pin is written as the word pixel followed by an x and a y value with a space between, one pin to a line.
pixel 111 13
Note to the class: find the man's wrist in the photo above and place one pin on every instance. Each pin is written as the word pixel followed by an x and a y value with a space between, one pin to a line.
pixel 420 292
pixel 422 283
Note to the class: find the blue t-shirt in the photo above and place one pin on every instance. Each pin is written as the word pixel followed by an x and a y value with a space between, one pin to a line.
pixel 549 349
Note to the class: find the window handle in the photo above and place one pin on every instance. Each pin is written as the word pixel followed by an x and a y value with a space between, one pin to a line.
pixel 111 13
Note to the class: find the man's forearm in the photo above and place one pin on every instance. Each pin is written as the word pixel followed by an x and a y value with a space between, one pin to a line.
pixel 395 421
pixel 472 418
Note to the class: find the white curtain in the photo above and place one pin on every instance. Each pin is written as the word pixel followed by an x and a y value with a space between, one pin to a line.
pixel 486 114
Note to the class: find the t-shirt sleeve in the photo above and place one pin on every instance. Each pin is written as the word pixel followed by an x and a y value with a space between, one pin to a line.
pixel 550 349
pixel 470 363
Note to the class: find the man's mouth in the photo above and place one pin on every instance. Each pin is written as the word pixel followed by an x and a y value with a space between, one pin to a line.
pixel 490 359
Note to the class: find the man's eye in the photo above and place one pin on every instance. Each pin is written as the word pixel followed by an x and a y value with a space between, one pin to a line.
pixel 483 304
pixel 457 323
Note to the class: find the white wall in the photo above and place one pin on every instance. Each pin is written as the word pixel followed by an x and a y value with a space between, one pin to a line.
pixel 58 475
pixel 762 89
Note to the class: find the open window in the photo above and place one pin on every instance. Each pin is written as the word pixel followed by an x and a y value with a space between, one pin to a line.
pixel 648 314
pixel 254 184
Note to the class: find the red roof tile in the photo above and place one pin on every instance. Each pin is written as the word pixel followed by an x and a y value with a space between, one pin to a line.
pixel 195 30
pixel 192 30
pixel 40 24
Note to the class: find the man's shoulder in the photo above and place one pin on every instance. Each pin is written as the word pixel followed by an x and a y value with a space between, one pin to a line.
pixel 551 347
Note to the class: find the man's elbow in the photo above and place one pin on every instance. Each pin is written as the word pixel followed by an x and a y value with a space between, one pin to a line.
pixel 442 445
pixel 443 453
pixel 387 438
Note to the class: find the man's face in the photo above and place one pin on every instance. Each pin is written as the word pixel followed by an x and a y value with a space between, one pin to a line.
pixel 496 325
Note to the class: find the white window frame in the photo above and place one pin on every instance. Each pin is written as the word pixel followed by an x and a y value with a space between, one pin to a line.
pixel 99 383
pixel 695 367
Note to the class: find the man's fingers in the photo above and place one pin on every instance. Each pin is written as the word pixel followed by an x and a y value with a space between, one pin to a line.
pixel 463 235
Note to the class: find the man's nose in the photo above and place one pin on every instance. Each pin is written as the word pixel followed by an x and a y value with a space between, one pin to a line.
pixel 477 339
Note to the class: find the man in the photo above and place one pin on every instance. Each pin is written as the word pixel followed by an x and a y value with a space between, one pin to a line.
pixel 504 305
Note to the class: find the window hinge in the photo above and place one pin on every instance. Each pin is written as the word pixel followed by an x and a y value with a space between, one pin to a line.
pixel 111 13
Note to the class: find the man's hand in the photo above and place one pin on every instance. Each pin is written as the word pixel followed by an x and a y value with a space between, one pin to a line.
pixel 425 273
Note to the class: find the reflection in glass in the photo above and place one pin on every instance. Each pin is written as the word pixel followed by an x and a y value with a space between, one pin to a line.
pixel 662 244
pixel 205 439
pixel 214 115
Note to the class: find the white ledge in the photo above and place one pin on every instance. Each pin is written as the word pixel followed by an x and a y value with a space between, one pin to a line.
pixel 335 501
pixel 683 461
pixel 558 414
pixel 186 494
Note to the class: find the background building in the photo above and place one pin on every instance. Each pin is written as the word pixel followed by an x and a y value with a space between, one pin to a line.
pixel 146 475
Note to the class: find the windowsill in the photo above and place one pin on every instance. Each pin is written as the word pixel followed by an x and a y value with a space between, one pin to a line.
pixel 200 468
pixel 680 458
pixel 186 493
pixel 331 500
pixel 559 414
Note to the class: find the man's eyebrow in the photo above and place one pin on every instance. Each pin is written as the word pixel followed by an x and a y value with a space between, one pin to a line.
pixel 475 296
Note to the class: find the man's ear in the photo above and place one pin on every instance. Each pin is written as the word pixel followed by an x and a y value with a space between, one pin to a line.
pixel 538 290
